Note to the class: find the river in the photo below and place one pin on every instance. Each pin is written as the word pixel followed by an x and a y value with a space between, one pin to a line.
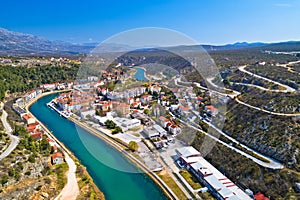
pixel 140 74
pixel 115 184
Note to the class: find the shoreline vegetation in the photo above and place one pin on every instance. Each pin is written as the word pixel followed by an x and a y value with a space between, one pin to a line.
pixel 85 173
pixel 115 144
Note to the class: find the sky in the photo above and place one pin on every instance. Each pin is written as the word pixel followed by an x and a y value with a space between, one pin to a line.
pixel 206 21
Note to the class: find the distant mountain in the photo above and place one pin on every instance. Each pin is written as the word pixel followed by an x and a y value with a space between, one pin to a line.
pixel 14 43
pixel 283 46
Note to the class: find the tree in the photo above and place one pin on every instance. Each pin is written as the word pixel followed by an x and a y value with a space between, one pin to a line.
pixel 147 111
pixel 116 130
pixel 133 146
pixel 31 158
pixel 11 171
pixel 226 81
pixel 4 179
pixel 100 113
pixel 110 124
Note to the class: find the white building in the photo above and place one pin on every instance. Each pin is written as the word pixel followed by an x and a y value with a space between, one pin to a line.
pixel 125 123
pixel 218 184
pixel 150 132
pixel 57 158
pixel 160 130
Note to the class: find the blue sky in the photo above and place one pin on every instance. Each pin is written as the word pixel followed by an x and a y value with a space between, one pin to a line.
pixel 207 21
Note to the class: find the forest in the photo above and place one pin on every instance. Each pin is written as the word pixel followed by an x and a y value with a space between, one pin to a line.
pixel 22 79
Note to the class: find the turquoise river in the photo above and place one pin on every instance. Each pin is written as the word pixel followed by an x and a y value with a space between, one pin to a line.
pixel 115 184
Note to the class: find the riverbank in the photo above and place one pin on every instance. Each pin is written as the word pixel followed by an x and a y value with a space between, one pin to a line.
pixel 167 191
pixel 70 157
pixel 164 188
pixel 141 75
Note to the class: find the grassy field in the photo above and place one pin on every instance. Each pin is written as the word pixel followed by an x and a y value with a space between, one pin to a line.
pixel 171 183
pixel 192 181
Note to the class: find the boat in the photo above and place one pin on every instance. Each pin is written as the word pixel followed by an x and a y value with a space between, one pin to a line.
pixel 64 114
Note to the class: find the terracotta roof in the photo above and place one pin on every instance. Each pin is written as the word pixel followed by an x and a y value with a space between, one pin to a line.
pixel 27 117
pixel 210 107
pixel 49 140
pixel 260 196
pixel 57 155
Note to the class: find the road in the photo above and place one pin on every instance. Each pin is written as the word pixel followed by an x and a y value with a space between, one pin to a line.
pixel 235 95
pixel 266 111
pixel 288 88
pixel 258 87
pixel 71 189
pixel 273 164
pixel 289 68
pixel 14 140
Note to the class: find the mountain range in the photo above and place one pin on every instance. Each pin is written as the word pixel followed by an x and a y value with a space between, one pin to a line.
pixel 15 43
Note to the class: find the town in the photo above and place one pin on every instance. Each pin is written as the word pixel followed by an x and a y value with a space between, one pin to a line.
pixel 149 116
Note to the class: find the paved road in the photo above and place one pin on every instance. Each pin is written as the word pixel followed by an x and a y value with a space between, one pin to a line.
pixel 289 68
pixel 71 189
pixel 235 95
pixel 14 139
pixel 273 164
pixel 259 87
pixel 266 111
pixel 242 69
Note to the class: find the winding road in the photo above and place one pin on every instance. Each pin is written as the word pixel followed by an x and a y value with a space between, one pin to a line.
pixel 272 163
pixel 14 139
pixel 288 88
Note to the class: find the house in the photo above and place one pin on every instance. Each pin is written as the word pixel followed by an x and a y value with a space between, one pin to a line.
pixel 174 129
pixel 210 109
pixel 121 108
pixel 57 158
pixel 260 196
pixel 51 142
pixel 136 104
pixel 29 119
pixel 146 99
pixel 48 86
pixel 155 88
pixel 93 78
pixel 163 121
pixel 30 95
pixel 20 111
pixel 32 127
pixel 181 109
pixel 107 106
pixel 130 100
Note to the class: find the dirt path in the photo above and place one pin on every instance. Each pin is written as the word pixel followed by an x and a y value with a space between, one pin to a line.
pixel 71 189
